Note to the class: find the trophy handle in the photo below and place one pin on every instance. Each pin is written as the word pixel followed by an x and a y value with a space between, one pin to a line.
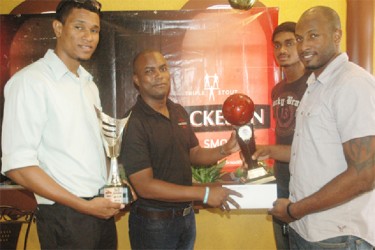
pixel 245 138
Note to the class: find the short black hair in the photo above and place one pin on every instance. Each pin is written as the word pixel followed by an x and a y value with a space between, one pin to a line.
pixel 64 8
pixel 141 53
pixel 284 27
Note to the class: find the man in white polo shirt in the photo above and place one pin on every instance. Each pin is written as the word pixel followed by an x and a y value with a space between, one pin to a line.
pixel 332 158
pixel 51 139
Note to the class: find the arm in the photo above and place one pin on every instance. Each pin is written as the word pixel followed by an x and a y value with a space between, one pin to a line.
pixel 22 132
pixel 37 181
pixel 277 152
pixel 169 192
pixel 208 156
pixel 358 178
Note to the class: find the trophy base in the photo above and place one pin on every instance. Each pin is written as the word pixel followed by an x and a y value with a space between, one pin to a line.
pixel 117 194
pixel 259 176
pixel 256 172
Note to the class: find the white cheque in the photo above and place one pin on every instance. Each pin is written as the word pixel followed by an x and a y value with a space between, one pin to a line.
pixel 255 196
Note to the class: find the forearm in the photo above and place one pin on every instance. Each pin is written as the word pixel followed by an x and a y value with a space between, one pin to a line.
pixel 168 192
pixel 280 152
pixel 149 188
pixel 341 189
pixel 37 181
pixel 357 179
pixel 276 152
pixel 208 156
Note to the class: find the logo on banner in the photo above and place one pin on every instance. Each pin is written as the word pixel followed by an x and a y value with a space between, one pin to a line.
pixel 210 87
pixel 211 83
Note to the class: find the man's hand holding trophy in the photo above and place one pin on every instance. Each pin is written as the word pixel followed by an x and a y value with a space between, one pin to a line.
pixel 238 110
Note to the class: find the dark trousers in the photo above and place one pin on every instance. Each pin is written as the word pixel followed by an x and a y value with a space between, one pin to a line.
pixel 166 233
pixel 280 229
pixel 346 242
pixel 61 227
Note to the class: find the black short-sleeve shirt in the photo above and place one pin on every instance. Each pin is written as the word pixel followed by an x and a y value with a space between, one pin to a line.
pixel 286 98
pixel 153 140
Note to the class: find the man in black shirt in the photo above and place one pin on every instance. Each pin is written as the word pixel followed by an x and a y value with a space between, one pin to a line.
pixel 286 96
pixel 159 148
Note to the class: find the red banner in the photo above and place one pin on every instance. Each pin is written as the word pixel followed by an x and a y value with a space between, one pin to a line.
pixel 222 53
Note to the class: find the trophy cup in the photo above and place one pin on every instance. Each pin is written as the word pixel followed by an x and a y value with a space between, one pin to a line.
pixel 238 110
pixel 111 132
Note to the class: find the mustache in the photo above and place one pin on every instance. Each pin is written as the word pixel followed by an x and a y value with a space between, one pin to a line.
pixel 282 54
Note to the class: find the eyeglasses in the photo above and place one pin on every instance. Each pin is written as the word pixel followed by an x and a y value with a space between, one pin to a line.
pixel 91 5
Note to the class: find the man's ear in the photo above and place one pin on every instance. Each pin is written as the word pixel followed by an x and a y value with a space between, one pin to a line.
pixel 136 81
pixel 57 27
pixel 337 35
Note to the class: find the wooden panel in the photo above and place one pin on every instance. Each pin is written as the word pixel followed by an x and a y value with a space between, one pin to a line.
pixel 360 32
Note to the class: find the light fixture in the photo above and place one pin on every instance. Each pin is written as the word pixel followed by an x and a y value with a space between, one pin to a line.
pixel 242 4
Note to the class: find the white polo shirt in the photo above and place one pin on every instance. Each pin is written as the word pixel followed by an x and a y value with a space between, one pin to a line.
pixel 50 121
pixel 337 106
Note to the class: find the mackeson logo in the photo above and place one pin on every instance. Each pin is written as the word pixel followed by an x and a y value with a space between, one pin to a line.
pixel 209 118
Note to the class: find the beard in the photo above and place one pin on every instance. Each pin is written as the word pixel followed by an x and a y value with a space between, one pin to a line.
pixel 82 60
pixel 316 66
pixel 313 67
pixel 161 96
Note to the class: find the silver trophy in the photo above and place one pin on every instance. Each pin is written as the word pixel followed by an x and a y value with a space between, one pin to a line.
pixel 111 130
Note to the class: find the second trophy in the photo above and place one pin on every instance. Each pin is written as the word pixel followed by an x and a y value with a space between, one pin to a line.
pixel 238 110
